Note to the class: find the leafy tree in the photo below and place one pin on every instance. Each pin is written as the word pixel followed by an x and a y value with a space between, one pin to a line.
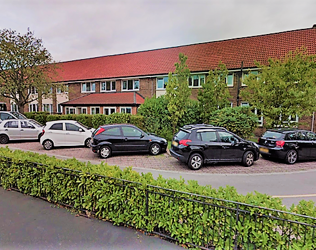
pixel 214 94
pixel 26 67
pixel 283 88
pixel 178 91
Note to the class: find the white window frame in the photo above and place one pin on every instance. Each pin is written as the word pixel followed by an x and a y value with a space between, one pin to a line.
pixel 199 77
pixel 81 108
pixel 31 107
pixel 59 108
pixel 260 119
pixel 126 82
pixel 50 107
pixel 111 86
pixel 164 79
pixel 68 109
pixel 244 75
pixel 94 107
pixel 84 89
pixel 14 107
pixel 124 109
pixel 109 110
pixel 33 90
pixel 232 84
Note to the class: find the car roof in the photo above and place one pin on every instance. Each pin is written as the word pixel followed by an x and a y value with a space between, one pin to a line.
pixel 200 126
pixel 287 130
pixel 56 121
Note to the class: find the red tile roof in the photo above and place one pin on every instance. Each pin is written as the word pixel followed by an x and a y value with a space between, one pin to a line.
pixel 201 57
pixel 107 99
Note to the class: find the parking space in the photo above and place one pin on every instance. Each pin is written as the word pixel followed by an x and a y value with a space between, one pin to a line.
pixel 164 161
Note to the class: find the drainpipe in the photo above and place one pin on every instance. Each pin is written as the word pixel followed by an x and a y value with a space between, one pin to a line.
pixel 313 121
pixel 239 82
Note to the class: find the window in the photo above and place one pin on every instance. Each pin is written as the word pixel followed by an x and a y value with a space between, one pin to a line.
pixel 88 87
pixel 48 108
pixel 109 110
pixel 14 107
pixel 11 124
pixel 196 80
pixel 311 136
pixel 162 82
pixel 130 85
pixel 131 131
pixel 227 137
pixel 72 127
pixel 94 110
pixel 230 80
pixel 6 116
pixel 260 117
pixel 57 126
pixel 33 107
pixel 244 104
pixel 33 90
pixel 70 111
pixel 108 86
pixel 207 136
pixel 112 132
pixel 25 124
pixel 59 108
pixel 127 110
pixel 59 89
pixel 245 75
pixel 82 110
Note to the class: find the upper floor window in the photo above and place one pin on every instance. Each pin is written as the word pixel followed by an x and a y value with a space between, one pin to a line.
pixel 63 89
pixel 130 85
pixel 33 90
pixel 88 87
pixel 108 86
pixel 245 75
pixel 196 80
pixel 162 82
pixel 230 80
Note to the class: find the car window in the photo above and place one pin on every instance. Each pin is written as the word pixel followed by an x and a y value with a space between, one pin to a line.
pixel 227 137
pixel 131 131
pixel 11 124
pixel 182 135
pixel 310 136
pixel 112 131
pixel 301 136
pixel 6 116
pixel 272 135
pixel 25 124
pixel 57 126
pixel 292 136
pixel 72 127
pixel 208 136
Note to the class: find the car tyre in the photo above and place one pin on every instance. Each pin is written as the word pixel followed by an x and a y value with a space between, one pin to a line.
pixel 87 142
pixel 195 161
pixel 291 156
pixel 248 159
pixel 155 149
pixel 4 139
pixel 48 144
pixel 105 152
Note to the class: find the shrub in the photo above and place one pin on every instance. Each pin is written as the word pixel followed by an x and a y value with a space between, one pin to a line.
pixel 98 120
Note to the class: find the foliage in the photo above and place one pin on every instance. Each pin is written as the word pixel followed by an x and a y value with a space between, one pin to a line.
pixel 285 87
pixel 239 120
pixel 98 120
pixel 214 94
pixel 186 211
pixel 178 91
pixel 24 64
pixel 191 114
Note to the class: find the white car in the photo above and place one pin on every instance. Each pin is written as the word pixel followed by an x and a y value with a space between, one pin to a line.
pixel 65 133
pixel 19 129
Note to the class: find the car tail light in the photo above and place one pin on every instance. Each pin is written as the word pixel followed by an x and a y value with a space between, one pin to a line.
pixel 184 142
pixel 43 132
pixel 99 131
pixel 279 144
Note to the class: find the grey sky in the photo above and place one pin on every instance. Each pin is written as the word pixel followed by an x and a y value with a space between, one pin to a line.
pixel 76 29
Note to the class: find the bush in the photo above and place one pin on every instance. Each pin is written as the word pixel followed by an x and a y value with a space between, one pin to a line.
pixel 98 120
pixel 85 119
pixel 239 120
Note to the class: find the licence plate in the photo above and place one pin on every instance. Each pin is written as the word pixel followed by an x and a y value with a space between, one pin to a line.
pixel 264 150
pixel 174 143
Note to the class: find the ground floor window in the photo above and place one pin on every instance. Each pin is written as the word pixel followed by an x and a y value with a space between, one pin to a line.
pixel 70 111
pixel 59 108
pixel 94 110
pixel 48 108
pixel 127 110
pixel 33 108
pixel 14 107
pixel 82 110
pixel 109 110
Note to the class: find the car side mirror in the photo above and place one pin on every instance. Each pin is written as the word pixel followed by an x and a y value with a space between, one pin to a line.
pixel 80 130
pixel 142 135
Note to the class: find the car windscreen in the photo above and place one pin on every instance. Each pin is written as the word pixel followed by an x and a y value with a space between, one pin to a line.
pixel 182 135
pixel 272 135
pixel 18 115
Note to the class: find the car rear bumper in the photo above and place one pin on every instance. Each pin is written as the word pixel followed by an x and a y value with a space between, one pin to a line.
pixel 179 157
pixel 272 152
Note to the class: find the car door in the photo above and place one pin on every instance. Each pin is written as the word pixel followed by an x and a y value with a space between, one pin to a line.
pixel 133 139
pixel 210 143
pixel 57 134
pixel 74 135
pixel 12 129
pixel 113 136
pixel 28 131
pixel 311 137
pixel 304 145
pixel 232 147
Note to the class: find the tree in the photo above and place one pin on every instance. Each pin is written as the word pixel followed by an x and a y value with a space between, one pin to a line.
pixel 284 88
pixel 214 93
pixel 26 68
pixel 178 91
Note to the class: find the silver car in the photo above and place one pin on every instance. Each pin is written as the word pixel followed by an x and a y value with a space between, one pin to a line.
pixel 20 129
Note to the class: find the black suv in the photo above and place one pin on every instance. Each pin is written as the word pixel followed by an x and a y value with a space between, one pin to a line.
pixel 288 144
pixel 198 144
pixel 122 138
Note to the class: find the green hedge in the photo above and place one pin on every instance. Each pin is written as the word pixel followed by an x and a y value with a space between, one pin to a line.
pixel 121 195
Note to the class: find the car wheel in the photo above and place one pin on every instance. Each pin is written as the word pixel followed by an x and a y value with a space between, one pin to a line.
pixel 87 142
pixel 105 152
pixel 48 144
pixel 4 139
pixel 291 157
pixel 195 161
pixel 248 159
pixel 155 149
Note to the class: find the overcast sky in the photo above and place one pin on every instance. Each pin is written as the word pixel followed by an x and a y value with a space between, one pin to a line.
pixel 77 29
